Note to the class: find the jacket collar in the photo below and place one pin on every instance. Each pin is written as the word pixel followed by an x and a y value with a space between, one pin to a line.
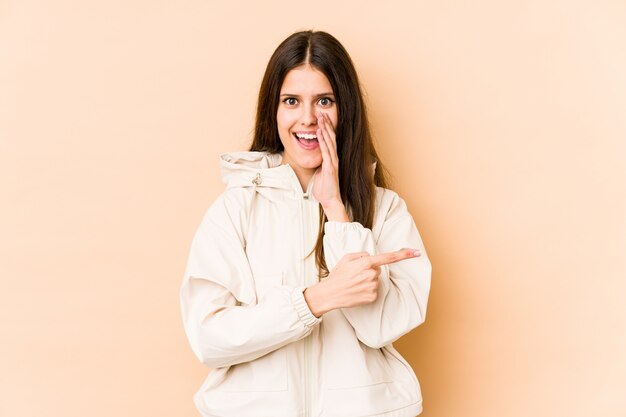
pixel 260 169
pixel 257 169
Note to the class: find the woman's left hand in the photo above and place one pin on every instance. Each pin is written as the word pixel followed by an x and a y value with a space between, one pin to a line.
pixel 326 186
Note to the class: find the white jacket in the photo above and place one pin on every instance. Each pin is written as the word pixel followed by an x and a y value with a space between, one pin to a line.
pixel 245 315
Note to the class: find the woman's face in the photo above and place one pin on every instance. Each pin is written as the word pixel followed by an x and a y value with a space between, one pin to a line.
pixel 305 92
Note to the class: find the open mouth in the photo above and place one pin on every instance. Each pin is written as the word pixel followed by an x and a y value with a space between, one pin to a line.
pixel 307 140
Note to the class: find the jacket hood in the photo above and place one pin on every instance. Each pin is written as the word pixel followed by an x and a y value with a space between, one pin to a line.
pixel 257 169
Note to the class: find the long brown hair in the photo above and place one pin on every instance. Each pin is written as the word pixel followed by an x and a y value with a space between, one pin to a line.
pixel 355 149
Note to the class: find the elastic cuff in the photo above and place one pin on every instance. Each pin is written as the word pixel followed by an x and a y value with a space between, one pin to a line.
pixel 334 227
pixel 304 312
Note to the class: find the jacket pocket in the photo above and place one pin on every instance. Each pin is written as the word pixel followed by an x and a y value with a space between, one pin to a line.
pixel 268 372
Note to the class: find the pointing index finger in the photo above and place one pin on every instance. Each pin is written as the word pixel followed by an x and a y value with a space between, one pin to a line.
pixel 392 257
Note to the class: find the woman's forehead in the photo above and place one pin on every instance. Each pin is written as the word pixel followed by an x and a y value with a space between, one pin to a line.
pixel 306 80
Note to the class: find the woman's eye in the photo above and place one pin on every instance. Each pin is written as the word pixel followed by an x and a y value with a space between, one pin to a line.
pixel 325 101
pixel 290 101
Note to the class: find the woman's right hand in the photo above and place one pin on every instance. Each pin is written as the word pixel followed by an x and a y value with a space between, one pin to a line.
pixel 326 185
pixel 352 282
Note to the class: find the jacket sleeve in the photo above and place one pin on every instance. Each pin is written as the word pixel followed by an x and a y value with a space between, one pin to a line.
pixel 224 321
pixel 403 286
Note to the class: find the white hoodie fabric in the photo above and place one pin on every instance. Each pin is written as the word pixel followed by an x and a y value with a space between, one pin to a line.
pixel 245 315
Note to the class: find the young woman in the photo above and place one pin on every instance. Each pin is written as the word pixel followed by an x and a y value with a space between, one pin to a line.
pixel 296 284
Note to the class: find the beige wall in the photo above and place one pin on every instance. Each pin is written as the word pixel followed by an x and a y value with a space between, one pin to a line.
pixel 503 124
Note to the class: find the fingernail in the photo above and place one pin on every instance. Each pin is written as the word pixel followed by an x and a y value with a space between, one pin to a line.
pixel 416 253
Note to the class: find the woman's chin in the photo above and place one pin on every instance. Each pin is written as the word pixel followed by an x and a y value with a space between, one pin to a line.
pixel 313 164
pixel 309 161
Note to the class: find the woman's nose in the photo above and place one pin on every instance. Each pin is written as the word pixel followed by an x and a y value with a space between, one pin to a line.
pixel 309 117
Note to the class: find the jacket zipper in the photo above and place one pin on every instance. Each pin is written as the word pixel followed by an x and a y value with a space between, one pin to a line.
pixel 307 340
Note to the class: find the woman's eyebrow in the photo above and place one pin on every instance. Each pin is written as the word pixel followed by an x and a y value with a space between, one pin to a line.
pixel 317 95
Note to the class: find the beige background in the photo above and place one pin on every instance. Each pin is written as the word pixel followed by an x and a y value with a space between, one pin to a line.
pixel 503 124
